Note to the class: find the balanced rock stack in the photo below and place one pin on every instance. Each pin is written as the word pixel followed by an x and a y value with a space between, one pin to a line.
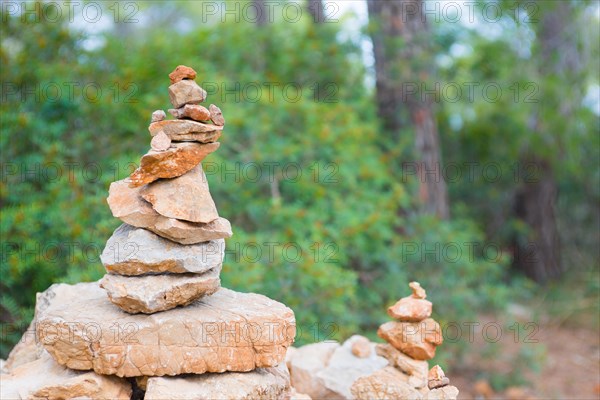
pixel 166 323
pixel 412 340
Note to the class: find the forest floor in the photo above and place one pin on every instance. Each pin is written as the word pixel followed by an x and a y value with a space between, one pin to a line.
pixel 556 357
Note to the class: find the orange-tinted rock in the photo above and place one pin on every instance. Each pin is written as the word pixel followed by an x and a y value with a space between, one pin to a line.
pixel 186 197
pixel 182 72
pixel 158 115
pixel 362 347
pixel 186 92
pixel 127 204
pixel 410 309
pixel 185 130
pixel 416 370
pixel 416 339
pixel 176 161
pixel 385 384
pixel 192 111
pixel 436 378
pixel 443 393
pixel 216 115
pixel 417 291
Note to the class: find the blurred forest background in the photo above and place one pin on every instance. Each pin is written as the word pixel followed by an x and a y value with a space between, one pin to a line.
pixel 491 202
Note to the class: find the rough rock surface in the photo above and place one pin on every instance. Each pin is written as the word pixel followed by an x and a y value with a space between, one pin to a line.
pixel 192 111
pixel 216 115
pixel 228 331
pixel 25 351
pixel 416 370
pixel 306 362
pixel 158 115
pixel 160 142
pixel 385 384
pixel 182 72
pixel 410 309
pixel 186 92
pixel 175 161
pixel 135 251
pixel 263 383
pixel 416 339
pixel 417 291
pixel 186 197
pixel 344 368
pixel 153 293
pixel 45 379
pixel 445 393
pixel 362 347
pixel 186 130
pixel 127 204
pixel 436 378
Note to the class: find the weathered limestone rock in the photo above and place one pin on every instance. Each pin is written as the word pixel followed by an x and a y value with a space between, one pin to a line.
pixel 385 384
pixel 45 379
pixel 415 370
pixel 193 111
pixel 153 293
pixel 227 331
pixel 185 130
pixel 160 142
pixel 436 378
pixel 295 395
pixel 216 115
pixel 186 197
pixel 158 115
pixel 410 309
pixel 362 347
pixel 135 251
pixel 186 92
pixel 25 351
pixel 182 72
pixel 444 393
pixel 174 162
pixel 344 368
pixel 306 362
pixel 416 339
pixel 263 383
pixel 127 204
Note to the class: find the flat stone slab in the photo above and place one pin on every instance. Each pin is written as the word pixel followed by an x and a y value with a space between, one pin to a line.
pixel 153 293
pixel 135 251
pixel 227 331
pixel 186 130
pixel 263 383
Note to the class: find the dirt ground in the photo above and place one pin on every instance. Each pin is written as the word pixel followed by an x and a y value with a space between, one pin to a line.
pixel 570 368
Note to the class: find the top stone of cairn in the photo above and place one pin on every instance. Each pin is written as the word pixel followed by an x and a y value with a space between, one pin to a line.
pixel 182 72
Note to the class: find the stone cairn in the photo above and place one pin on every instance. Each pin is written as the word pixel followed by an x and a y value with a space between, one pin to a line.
pixel 167 315
pixel 362 370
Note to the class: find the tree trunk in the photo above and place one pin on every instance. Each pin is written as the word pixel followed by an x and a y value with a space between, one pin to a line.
pixel 537 255
pixel 261 16
pixel 403 63
pixel 535 202
pixel 316 10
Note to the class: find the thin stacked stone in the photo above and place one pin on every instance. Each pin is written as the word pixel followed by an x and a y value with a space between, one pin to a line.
pixel 167 322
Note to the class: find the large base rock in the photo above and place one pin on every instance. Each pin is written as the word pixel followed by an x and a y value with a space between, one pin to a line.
pixel 385 384
pixel 154 293
pixel 227 331
pixel 263 383
pixel 134 251
pixel 416 370
pixel 305 364
pixel 45 379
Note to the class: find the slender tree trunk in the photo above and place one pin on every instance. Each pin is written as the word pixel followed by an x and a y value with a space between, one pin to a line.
pixel 535 202
pixel 261 17
pixel 316 10
pixel 403 60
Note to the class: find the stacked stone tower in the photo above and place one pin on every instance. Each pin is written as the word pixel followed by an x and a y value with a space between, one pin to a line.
pixel 160 317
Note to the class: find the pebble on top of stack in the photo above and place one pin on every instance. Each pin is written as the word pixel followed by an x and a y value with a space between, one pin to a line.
pixel 180 260
pixel 168 315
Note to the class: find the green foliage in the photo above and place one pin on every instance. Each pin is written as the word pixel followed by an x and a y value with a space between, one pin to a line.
pixel 327 227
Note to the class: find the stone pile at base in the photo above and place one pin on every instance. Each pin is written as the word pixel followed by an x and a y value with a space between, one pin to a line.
pixel 362 370
pixel 159 320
